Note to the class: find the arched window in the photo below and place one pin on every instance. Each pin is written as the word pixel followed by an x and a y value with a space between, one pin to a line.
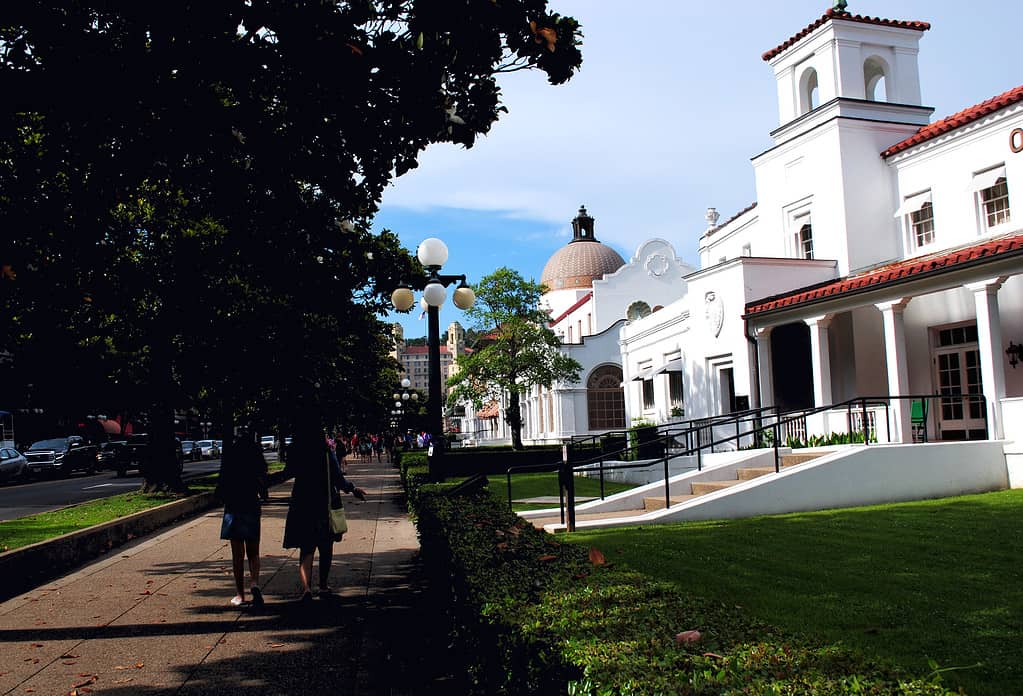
pixel 605 400
pixel 809 91
pixel 875 73
pixel 637 310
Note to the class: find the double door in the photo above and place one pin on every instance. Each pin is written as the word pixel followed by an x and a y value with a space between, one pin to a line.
pixel 961 413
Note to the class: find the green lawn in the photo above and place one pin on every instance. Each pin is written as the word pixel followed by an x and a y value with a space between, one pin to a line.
pixel 938 580
pixel 546 484
pixel 47 525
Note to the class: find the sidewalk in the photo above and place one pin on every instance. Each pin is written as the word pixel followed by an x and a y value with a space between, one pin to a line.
pixel 154 617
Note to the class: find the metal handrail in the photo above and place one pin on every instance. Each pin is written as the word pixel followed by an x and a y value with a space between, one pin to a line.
pixel 672 434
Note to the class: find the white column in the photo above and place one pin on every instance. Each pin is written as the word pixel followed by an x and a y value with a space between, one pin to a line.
pixel 898 369
pixel 765 367
pixel 820 356
pixel 989 343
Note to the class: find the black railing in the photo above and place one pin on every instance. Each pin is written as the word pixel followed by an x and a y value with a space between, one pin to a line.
pixel 693 436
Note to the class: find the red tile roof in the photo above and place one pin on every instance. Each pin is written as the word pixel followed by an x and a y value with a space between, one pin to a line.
pixel 421 350
pixel 848 17
pixel 577 305
pixel 954 121
pixel 894 273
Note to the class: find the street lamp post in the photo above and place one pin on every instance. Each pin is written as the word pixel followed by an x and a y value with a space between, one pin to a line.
pixel 433 253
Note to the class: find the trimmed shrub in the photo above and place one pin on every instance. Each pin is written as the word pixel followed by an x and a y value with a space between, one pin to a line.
pixel 533 615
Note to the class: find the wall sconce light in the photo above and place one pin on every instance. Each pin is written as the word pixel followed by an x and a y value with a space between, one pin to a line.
pixel 1015 353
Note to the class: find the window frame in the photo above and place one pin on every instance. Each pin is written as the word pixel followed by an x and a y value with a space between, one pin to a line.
pixel 986 209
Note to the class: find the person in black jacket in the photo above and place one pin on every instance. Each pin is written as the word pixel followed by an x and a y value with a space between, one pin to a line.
pixel 242 486
pixel 318 479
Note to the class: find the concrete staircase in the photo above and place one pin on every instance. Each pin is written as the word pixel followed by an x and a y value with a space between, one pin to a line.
pixel 742 474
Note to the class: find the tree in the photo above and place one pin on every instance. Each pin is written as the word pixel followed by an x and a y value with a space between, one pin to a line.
pixel 177 178
pixel 518 351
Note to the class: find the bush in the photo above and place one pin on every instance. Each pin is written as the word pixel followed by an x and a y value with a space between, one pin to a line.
pixel 533 615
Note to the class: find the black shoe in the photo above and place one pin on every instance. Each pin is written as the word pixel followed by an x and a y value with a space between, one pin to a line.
pixel 257 597
pixel 307 597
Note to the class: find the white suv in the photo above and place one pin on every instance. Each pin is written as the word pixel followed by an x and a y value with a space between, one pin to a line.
pixel 269 442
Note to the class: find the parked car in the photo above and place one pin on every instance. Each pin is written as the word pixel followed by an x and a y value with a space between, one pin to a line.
pixel 208 449
pixel 190 450
pixel 13 464
pixel 111 454
pixel 60 456
pixel 269 442
pixel 138 451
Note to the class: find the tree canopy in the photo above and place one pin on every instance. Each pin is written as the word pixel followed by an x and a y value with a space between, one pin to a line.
pixel 516 351
pixel 186 189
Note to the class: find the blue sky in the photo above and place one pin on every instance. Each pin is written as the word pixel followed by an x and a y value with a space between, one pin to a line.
pixel 671 103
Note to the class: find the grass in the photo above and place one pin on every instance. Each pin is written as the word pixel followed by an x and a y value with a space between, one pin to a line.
pixel 47 525
pixel 546 484
pixel 927 584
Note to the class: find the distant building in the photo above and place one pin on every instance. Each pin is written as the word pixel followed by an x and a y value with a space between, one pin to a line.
pixel 415 360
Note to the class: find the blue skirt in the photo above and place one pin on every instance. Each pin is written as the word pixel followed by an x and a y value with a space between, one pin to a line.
pixel 240 525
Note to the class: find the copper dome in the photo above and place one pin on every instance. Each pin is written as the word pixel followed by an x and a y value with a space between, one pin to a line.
pixel 581 261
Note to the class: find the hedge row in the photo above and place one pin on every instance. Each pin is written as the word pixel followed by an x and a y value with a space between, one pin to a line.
pixel 533 615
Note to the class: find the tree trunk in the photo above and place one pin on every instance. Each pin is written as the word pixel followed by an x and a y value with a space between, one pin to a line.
pixel 513 415
pixel 160 466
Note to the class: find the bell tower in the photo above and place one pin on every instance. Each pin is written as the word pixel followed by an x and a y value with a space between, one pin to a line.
pixel 868 61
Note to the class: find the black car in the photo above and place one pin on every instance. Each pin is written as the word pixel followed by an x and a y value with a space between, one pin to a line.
pixel 60 456
pixel 137 451
pixel 191 450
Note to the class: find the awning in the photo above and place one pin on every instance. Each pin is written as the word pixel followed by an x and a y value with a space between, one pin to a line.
pixel 645 374
pixel 913 204
pixel 986 180
pixel 672 366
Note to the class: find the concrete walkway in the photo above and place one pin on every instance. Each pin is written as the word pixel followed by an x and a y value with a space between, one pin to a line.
pixel 154 616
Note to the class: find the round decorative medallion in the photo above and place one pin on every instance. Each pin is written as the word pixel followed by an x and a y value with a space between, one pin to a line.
pixel 656 265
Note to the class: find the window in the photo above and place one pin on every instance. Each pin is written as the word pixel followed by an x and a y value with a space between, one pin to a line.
pixel 675 394
pixel 922 224
pixel 809 91
pixel 995 203
pixel 874 81
pixel 605 401
pixel 648 394
pixel 803 239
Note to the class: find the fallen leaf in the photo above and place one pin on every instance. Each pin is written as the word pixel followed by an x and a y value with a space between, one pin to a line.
pixel 147 592
pixel 548 557
pixel 276 645
pixel 69 656
pixel 596 557
pixel 140 665
pixel 70 662
pixel 688 637
pixel 720 657
pixel 90 680
pixel 37 645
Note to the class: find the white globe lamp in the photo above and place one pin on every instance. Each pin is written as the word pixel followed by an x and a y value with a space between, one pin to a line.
pixel 432 252
pixel 434 294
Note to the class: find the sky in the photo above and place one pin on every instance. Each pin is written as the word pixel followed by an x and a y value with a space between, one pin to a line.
pixel 671 103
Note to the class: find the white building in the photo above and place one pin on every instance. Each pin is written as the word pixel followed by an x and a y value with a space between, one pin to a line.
pixel 882 257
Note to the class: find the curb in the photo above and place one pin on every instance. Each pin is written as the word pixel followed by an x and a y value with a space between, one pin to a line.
pixel 26 568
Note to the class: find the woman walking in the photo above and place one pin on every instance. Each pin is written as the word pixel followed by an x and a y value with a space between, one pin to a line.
pixel 318 479
pixel 242 486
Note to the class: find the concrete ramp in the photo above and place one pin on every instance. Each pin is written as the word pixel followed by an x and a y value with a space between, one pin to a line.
pixel 850 477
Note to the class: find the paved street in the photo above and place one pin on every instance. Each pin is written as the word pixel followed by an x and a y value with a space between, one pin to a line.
pixel 154 616
pixel 41 495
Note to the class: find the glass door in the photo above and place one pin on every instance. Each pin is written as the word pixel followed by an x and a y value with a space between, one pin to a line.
pixel 962 413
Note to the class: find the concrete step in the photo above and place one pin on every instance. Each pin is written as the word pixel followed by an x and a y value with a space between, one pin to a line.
pixel 752 472
pixel 657 503
pixel 704 487
pixel 795 459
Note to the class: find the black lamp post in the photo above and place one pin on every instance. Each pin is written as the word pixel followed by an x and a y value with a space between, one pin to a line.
pixel 433 253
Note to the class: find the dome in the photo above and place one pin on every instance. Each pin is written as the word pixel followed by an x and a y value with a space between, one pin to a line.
pixel 581 261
